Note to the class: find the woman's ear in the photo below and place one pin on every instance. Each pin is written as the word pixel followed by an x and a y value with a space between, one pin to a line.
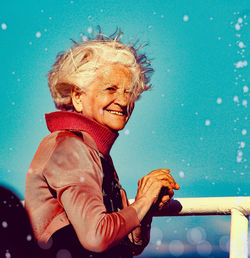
pixel 76 100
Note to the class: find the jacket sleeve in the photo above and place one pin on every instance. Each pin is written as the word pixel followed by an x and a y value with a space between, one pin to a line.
pixel 74 171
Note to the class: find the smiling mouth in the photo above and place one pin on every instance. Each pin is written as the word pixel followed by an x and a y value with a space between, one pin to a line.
pixel 119 113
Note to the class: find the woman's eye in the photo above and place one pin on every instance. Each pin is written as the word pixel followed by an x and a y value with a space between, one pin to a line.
pixel 111 88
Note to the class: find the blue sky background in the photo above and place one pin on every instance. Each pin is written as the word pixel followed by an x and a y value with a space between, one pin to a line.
pixel 193 121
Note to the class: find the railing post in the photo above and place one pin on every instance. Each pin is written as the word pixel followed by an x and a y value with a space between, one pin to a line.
pixel 238 234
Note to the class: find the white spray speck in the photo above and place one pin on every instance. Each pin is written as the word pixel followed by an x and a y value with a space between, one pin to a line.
pixel 241 44
pixel 244 102
pixel 207 122
pixel 101 111
pixel 244 132
pixel 245 89
pixel 241 64
pixel 240 153
pixel 219 100
pixel 242 145
pixel 7 254
pixel 236 99
pixel 185 18
pixel 181 174
pixel 240 20
pixel 84 38
pixel 211 18
pixel 237 26
pixel 238 159
pixel 81 179
pixel 4 224
pixel 90 30
pixel 38 34
pixel 158 242
pixel 29 237
pixel 3 26
pixel 127 132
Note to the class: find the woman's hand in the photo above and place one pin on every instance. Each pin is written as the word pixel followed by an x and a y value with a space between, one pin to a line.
pixel 156 188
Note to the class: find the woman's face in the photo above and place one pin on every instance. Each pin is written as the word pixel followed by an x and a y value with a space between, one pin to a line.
pixel 106 98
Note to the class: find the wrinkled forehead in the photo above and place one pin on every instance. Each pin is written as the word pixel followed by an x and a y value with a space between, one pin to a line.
pixel 116 74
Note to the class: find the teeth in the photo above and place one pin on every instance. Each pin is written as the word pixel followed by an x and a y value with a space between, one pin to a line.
pixel 115 112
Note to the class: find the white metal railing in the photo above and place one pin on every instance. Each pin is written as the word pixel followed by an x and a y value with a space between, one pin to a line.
pixel 237 207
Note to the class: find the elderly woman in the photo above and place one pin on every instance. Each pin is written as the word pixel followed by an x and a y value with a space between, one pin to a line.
pixel 73 197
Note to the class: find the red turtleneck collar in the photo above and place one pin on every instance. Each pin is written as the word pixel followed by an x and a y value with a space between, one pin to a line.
pixel 63 120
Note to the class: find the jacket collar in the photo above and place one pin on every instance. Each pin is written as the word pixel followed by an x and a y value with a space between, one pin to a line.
pixel 65 120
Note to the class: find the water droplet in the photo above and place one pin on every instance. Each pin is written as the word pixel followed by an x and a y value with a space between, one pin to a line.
pixel 244 102
pixel 236 99
pixel 90 30
pixel 204 249
pixel 4 224
pixel 126 132
pixel 244 132
pixel 63 253
pixel 176 247
pixel 219 100
pixel 196 235
pixel 185 18
pixel 237 26
pixel 245 89
pixel 181 174
pixel 84 38
pixel 224 243
pixel 29 237
pixel 7 254
pixel 3 26
pixel 156 234
pixel 240 20
pixel 45 245
pixel 241 44
pixel 38 34
pixel 207 122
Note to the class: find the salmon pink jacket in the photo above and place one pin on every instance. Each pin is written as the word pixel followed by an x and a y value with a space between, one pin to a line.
pixel 64 184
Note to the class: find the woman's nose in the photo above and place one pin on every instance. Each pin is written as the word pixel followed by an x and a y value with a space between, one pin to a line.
pixel 122 99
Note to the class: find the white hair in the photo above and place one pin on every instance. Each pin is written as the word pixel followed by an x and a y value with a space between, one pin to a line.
pixel 76 68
